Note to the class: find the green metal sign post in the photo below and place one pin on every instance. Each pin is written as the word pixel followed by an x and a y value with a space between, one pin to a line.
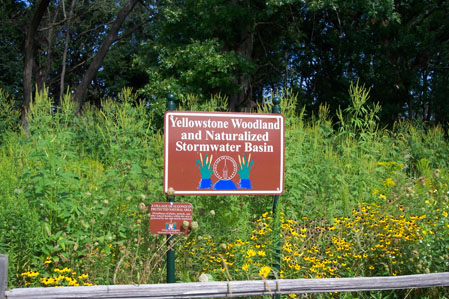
pixel 277 109
pixel 171 105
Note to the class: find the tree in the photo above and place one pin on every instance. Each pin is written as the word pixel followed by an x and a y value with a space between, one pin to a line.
pixel 273 45
pixel 111 37
pixel 66 41
pixel 244 49
pixel 11 39
pixel 205 47
pixel 29 49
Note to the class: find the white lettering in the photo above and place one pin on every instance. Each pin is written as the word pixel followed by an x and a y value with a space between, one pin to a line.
pixel 191 135
pixel 245 136
pixel 185 122
pixel 256 125
pixel 249 147
pixel 188 147
pixel 179 146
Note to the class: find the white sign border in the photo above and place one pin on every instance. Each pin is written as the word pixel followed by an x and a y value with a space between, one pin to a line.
pixel 227 115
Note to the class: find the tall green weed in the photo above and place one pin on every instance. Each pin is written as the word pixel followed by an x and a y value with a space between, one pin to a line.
pixel 9 115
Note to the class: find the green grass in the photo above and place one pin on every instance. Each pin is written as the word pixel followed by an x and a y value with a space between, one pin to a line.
pixel 359 200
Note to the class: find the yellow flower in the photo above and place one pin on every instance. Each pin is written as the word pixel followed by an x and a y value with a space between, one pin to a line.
pixel 47 281
pixel 250 253
pixel 261 253
pixel 264 271
pixel 287 258
pixel 389 182
pixel 292 295
pixel 30 274
pixel 444 214
pixel 245 267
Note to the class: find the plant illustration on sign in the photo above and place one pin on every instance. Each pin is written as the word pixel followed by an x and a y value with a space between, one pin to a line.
pixel 205 167
pixel 245 166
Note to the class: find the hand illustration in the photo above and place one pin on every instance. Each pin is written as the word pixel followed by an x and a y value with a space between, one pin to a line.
pixel 205 166
pixel 245 167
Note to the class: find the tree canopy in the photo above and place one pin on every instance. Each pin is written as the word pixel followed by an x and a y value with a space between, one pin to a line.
pixel 243 49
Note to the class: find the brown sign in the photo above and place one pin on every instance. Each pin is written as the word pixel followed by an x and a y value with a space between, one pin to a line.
pixel 167 218
pixel 212 153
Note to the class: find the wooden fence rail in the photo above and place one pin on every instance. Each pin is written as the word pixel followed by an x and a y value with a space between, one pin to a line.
pixel 235 288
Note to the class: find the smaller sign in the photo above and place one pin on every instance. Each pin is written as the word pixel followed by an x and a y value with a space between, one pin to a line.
pixel 170 218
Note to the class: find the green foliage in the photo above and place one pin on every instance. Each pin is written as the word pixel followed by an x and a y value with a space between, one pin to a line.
pixel 76 191
pixel 9 114
pixel 191 102
pixel 11 37
pixel 242 49
pixel 359 119
pixel 201 68
pixel 21 232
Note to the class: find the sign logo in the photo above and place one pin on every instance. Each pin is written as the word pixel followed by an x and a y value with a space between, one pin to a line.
pixel 223 153
pixel 225 169
pixel 220 167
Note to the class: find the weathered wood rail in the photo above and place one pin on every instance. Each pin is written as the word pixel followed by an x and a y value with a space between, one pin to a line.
pixel 230 289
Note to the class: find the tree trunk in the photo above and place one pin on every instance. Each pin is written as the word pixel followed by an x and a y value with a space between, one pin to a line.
pixel 98 58
pixel 244 49
pixel 29 49
pixel 66 46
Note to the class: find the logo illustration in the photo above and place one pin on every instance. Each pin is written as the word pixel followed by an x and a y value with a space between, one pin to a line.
pixel 205 167
pixel 244 170
pixel 170 226
pixel 225 168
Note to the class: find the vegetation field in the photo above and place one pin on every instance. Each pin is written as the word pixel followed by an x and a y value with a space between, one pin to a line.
pixel 360 199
